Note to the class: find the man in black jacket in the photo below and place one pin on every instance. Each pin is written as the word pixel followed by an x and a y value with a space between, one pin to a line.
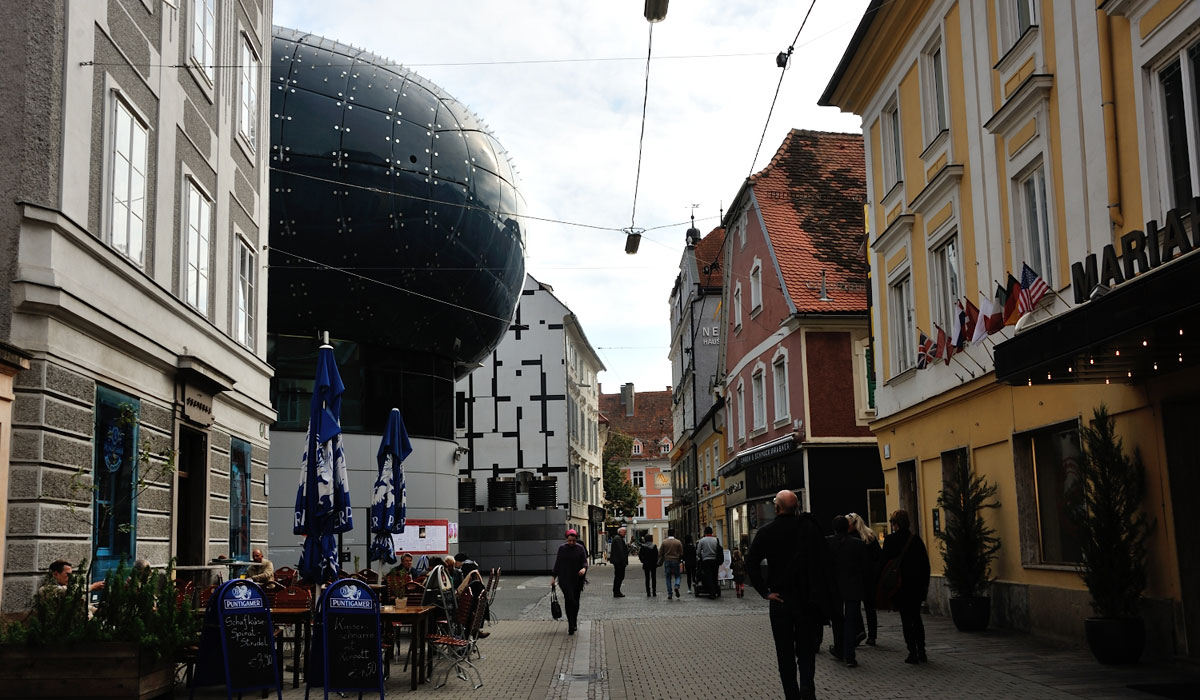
pixel 797 585
pixel 849 556
pixel 619 556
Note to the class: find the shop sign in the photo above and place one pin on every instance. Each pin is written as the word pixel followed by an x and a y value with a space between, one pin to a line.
pixel 197 405
pixel 1141 252
pixel 773 477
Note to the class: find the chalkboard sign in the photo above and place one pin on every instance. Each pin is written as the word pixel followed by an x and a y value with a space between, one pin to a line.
pixel 238 624
pixel 347 653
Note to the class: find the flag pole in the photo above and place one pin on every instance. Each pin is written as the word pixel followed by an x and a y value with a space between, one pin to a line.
pixel 964 352
pixel 960 364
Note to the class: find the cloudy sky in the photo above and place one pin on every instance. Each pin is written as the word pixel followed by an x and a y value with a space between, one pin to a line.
pixel 548 80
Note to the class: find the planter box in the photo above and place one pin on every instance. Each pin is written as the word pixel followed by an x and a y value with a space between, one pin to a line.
pixel 84 671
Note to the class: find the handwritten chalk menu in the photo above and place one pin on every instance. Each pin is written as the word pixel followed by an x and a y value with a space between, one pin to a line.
pixel 238 624
pixel 347 650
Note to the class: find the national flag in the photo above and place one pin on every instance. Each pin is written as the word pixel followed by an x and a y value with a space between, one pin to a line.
pixel 1033 288
pixel 959 327
pixel 983 325
pixel 942 348
pixel 996 319
pixel 972 321
pixel 1012 304
pixel 923 349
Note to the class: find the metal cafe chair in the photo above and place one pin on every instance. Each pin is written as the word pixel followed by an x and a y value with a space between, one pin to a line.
pixel 456 648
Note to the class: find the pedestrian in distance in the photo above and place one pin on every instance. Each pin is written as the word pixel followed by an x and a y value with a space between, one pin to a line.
pixel 711 554
pixel 797 586
pixel 689 562
pixel 648 555
pixel 738 565
pixel 871 578
pixel 849 556
pixel 669 556
pixel 906 548
pixel 570 571
pixel 619 557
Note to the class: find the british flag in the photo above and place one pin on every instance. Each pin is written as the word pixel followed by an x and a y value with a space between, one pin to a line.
pixel 925 351
pixel 1033 288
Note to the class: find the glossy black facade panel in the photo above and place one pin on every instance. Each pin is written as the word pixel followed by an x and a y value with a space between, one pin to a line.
pixel 380 173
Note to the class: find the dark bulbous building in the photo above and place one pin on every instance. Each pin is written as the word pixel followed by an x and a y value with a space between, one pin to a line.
pixel 395 226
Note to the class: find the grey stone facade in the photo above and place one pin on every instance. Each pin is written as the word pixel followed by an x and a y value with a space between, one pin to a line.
pixel 98 319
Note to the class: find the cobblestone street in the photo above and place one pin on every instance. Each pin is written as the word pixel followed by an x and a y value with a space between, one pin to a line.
pixel 651 647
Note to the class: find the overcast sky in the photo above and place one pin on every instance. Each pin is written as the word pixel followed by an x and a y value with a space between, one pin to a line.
pixel 571 126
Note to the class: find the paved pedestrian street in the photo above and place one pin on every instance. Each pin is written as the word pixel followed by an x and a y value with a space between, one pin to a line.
pixel 651 647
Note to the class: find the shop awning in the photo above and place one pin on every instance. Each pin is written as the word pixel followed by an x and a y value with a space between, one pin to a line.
pixel 773 448
pixel 1144 327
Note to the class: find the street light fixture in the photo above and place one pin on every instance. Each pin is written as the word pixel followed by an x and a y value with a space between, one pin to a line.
pixel 656 10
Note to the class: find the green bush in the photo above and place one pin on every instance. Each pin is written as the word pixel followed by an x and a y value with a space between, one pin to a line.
pixel 968 545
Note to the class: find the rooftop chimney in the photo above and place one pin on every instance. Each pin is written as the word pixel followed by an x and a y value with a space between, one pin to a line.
pixel 627 395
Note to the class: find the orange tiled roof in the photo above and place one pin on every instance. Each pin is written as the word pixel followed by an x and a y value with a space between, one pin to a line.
pixel 708 250
pixel 650 422
pixel 811 196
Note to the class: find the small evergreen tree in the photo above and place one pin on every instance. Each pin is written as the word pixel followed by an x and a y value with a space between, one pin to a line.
pixel 968 545
pixel 1113 529
pixel 620 496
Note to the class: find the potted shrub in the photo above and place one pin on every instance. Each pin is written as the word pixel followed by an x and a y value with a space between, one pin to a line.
pixel 126 648
pixel 968 545
pixel 1113 531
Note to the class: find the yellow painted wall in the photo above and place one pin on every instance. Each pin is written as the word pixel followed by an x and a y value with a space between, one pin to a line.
pixel 958 135
pixel 1125 101
pixel 912 141
pixel 1062 276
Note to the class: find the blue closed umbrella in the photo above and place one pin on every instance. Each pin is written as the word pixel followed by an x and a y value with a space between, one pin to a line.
pixel 388 502
pixel 323 497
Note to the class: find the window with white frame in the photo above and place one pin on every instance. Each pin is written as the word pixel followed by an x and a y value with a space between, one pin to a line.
pixel 779 375
pixel 741 410
pixel 737 306
pixel 641 511
pixel 893 158
pixel 248 97
pixel 900 310
pixel 197 215
pixel 758 394
pixel 1016 17
pixel 756 286
pixel 741 230
pixel 127 203
pixel 204 36
pixel 716 461
pixel 1180 102
pixel 243 313
pixel 637 447
pixel 639 478
pixel 934 87
pixel 1034 218
pixel 664 447
pixel 947 286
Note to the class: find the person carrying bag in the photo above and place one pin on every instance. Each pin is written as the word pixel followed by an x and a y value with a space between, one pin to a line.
pixel 891 580
pixel 555 608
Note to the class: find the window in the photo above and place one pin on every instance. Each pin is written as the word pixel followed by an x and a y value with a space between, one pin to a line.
pixel 741 230
pixel 115 468
pixel 460 410
pixel 1178 82
pixel 741 410
pixel 934 86
pixel 756 287
pixel 639 478
pixel 877 513
pixel 1016 17
pixel 239 499
pixel 947 286
pixel 779 373
pixel 198 212
pixel 892 156
pixel 1047 470
pixel 664 447
pixel 900 309
pixel 1035 218
pixel 737 306
pixel 641 511
pixel 637 447
pixel 1025 14
pixel 758 394
pixel 127 206
pixel 248 102
pixel 243 316
pixel 204 36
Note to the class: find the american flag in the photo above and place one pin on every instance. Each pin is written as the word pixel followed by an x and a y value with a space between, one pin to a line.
pixel 1033 288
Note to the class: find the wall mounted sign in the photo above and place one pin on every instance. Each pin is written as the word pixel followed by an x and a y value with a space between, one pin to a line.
pixel 237 645
pixel 197 405
pixel 423 537
pixel 346 654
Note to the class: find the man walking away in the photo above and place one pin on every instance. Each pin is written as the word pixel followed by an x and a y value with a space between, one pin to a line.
pixel 689 562
pixel 798 587
pixel 669 555
pixel 849 567
pixel 711 555
pixel 619 556
pixel 906 547
pixel 648 555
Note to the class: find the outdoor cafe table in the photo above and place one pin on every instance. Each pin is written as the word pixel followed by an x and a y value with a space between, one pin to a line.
pixel 302 619
pixel 420 617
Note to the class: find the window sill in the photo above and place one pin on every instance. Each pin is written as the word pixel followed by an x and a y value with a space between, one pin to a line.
pixel 758 431
pixel 1052 567
pixel 202 80
pixel 737 329
pixel 902 377
pixel 248 149
pixel 935 144
pixel 756 311
pixel 782 421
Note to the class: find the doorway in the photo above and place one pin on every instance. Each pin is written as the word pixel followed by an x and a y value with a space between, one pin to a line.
pixel 1183 465
pixel 191 515
pixel 907 474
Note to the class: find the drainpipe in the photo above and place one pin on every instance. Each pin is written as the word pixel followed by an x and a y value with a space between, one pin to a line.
pixel 1113 159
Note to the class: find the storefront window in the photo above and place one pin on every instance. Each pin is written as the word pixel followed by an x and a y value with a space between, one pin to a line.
pixel 1047 463
pixel 239 499
pixel 115 469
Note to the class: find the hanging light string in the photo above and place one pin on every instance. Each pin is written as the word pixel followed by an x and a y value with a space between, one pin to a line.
pixel 642 135
pixel 782 60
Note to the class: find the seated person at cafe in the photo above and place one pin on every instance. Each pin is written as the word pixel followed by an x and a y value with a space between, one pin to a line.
pixel 60 574
pixel 456 576
pixel 405 566
pixel 261 570
pixel 465 564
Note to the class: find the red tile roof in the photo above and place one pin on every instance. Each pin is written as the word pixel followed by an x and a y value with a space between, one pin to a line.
pixel 650 422
pixel 811 196
pixel 708 252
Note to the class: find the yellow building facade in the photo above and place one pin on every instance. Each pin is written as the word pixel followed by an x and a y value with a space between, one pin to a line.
pixel 1061 136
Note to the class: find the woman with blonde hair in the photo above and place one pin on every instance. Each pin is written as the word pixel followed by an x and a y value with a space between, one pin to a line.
pixel 871 577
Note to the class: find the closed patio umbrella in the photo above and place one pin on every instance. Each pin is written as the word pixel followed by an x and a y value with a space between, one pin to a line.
pixel 388 501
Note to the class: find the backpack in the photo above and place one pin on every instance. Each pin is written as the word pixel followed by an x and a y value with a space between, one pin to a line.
pixel 891 580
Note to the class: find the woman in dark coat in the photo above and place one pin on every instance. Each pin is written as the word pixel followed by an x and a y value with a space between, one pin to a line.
pixel 871 578
pixel 914 582
pixel 570 570
pixel 648 555
pixel 689 562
